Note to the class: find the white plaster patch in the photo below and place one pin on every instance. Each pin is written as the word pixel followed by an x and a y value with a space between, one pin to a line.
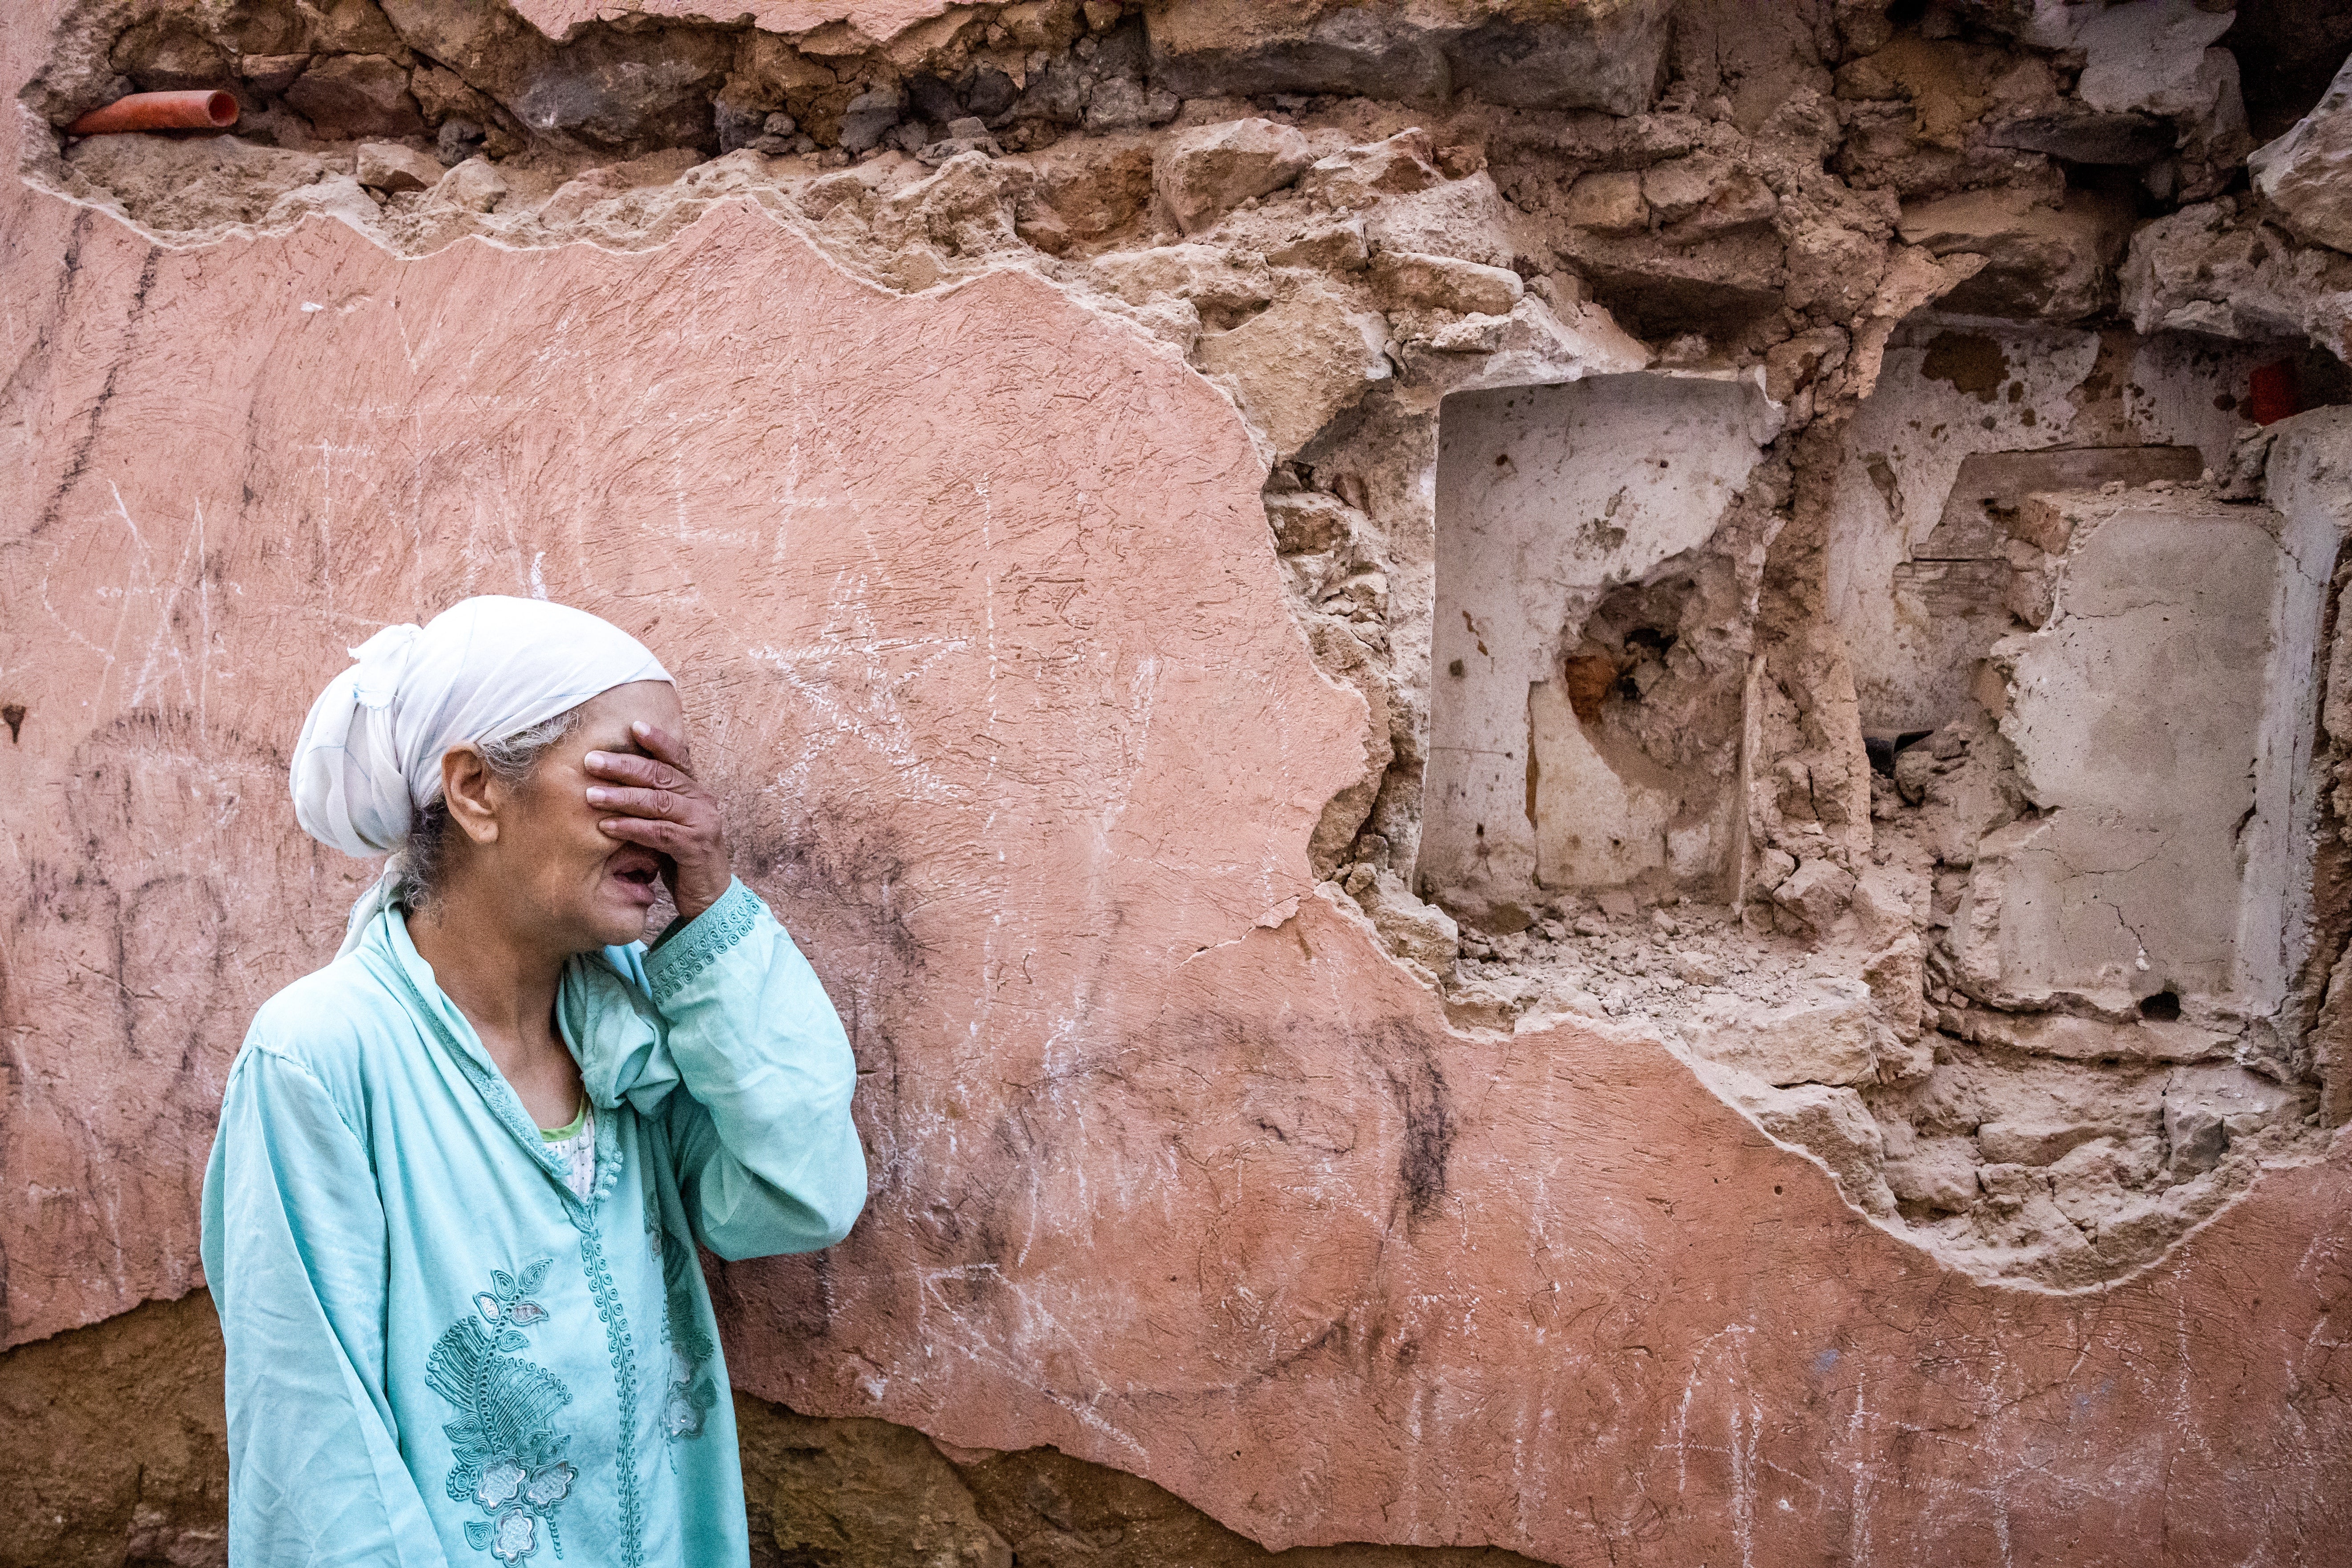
pixel 1546 499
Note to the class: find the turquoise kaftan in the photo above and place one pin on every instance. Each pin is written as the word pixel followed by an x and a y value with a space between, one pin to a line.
pixel 437 1354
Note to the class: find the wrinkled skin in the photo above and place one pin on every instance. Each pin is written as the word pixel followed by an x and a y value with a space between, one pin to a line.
pixel 565 862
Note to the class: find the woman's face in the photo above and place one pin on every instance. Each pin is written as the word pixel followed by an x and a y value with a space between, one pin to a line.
pixel 590 890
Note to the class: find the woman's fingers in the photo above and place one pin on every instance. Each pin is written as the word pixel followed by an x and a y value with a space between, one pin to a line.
pixel 656 803
pixel 669 748
pixel 665 837
pixel 666 811
pixel 646 771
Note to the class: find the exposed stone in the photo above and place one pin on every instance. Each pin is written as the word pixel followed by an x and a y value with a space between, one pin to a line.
pixel 1088 190
pixel 271 73
pixel 1204 172
pixel 1896 976
pixel 1331 248
pixel 870 116
pixel 1883 907
pixel 2045 260
pixel 1419 932
pixel 1403 164
pixel 1122 102
pixel 1703 196
pixel 1345 655
pixel 1816 893
pixel 1940 1172
pixel 1700 968
pixel 472 186
pixel 1609 203
pixel 168 54
pixel 1297 363
pixel 2034 1142
pixel 2194 1140
pixel 1211 279
pixel 1310 521
pixel 1834 1124
pixel 606 87
pixel 2130 139
pixel 2252 1107
pixel 389 166
pixel 1605 54
pixel 1441 283
pixel 1489 1004
pixel 2155 56
pixel 1464 218
pixel 206 181
pixel 1791 366
pixel 1829 1035
pixel 2072 1038
pixel 609 182
pixel 2209 269
pixel 2302 174
pixel 1173 322
pixel 356 95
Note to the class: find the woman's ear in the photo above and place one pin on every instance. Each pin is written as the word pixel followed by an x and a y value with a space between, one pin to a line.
pixel 471 791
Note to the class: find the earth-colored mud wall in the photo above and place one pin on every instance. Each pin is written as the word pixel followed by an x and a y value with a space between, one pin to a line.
pixel 1441 963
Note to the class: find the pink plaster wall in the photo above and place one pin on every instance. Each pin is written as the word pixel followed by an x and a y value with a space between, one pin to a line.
pixel 983 636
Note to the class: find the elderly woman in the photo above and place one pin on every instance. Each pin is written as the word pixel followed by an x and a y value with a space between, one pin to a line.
pixel 451 1218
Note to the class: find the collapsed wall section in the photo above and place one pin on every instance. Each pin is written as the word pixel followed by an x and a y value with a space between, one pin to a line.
pixel 2082 713
pixel 1592 615
pixel 1970 418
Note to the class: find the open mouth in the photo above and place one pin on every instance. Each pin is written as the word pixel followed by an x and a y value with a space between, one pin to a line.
pixel 639 869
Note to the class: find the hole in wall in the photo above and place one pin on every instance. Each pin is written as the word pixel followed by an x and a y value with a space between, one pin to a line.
pixel 1883 749
pixel 2287 51
pixel 1600 646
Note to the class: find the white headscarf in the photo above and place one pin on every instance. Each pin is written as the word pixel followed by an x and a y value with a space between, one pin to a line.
pixel 485 668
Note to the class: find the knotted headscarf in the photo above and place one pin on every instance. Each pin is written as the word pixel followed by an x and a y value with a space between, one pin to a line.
pixel 485 668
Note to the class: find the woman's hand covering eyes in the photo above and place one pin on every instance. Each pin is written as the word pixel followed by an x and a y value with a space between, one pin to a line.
pixel 658 803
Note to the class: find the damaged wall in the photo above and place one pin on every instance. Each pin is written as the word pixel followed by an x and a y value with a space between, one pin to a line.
pixel 1569 523
pixel 1468 703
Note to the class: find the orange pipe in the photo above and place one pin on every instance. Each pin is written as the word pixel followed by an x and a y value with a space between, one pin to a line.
pixel 199 111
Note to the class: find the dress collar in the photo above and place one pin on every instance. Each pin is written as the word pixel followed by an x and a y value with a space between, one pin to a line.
pixel 387 947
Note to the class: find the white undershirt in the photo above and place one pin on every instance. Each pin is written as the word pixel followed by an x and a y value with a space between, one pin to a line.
pixel 579 1153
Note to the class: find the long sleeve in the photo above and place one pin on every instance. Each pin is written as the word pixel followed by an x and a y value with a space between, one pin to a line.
pixel 768 1158
pixel 295 1250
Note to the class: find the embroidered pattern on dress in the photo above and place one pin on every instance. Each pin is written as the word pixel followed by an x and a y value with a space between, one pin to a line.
pixel 721 926
pixel 624 1386
pixel 692 1391
pixel 509 1456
